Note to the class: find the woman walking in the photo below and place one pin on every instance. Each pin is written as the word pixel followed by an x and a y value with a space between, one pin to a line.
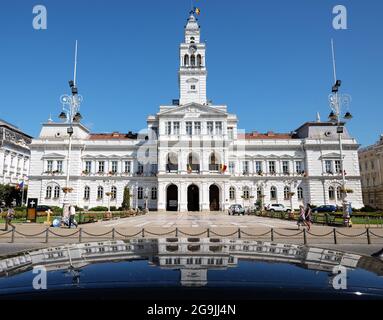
pixel 308 217
pixel 302 217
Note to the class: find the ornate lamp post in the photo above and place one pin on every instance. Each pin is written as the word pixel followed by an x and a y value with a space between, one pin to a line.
pixel 70 114
pixel 337 102
pixel 291 183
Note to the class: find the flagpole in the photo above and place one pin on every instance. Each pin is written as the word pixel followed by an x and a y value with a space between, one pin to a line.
pixel 22 194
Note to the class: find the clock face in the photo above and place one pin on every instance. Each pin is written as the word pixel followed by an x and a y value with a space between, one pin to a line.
pixel 192 49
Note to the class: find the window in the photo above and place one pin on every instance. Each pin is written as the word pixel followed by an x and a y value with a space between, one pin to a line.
pixel 154 193
pixel 328 166
pixel 246 193
pixel 218 128
pixel 258 167
pixel 56 193
pixel 48 193
pixel 232 193
pixel 193 87
pixel 230 133
pixel 189 128
pixel 245 167
pixel 49 166
pixel 59 166
pixel 192 60
pixel 176 128
pixel 338 166
pixel 339 193
pixel 300 193
pixel 168 128
pixel 186 60
pixel 154 169
pixel 259 193
pixel 272 167
pixel 140 193
pixel 231 167
pixel 101 166
pixel 286 193
pixel 298 167
pixel 331 193
pixel 88 166
pixel 86 193
pixel 100 193
pixel 285 167
pixel 197 127
pixel 273 193
pixel 128 167
pixel 210 127
pixel 214 165
pixel 199 60
pixel 140 168
pixel 114 166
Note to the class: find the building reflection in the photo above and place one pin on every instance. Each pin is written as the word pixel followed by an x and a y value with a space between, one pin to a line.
pixel 193 257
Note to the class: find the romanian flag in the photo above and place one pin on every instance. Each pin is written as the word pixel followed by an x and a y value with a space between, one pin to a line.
pixel 197 11
pixel 223 168
pixel 190 168
pixel 20 186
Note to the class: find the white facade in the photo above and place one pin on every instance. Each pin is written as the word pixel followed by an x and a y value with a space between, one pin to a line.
pixel 14 154
pixel 193 157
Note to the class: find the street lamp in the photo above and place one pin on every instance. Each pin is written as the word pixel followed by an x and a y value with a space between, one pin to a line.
pixel 337 102
pixel 70 114
pixel 290 183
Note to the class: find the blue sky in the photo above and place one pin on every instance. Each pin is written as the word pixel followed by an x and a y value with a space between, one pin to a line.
pixel 269 61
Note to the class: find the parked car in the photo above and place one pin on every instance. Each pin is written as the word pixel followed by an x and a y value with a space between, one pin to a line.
pixel 325 208
pixel 43 208
pixel 236 209
pixel 277 208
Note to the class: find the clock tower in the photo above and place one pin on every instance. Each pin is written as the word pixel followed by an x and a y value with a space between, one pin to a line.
pixel 193 73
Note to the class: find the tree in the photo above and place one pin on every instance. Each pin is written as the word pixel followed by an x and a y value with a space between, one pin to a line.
pixel 126 201
pixel 8 194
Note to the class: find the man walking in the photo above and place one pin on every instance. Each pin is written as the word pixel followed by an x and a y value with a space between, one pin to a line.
pixel 8 219
pixel 72 213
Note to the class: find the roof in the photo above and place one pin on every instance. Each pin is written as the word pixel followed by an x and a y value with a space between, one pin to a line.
pixel 264 136
pixel 12 127
pixel 113 136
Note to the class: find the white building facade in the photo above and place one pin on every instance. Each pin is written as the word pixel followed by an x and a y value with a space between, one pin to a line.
pixel 14 154
pixel 193 157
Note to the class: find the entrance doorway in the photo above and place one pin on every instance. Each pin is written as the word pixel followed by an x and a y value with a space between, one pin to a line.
pixel 172 198
pixel 193 198
pixel 214 197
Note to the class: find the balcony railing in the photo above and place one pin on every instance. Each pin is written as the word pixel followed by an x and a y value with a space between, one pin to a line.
pixel 193 168
pixel 171 168
pixel 214 167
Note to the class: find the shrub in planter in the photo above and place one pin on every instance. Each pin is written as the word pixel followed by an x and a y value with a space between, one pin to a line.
pixel 98 209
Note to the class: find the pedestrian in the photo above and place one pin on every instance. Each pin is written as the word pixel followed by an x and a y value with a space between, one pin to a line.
pixel 72 213
pixel 8 219
pixel 302 217
pixel 308 217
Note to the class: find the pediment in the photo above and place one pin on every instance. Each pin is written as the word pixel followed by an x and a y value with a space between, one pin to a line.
pixel 193 109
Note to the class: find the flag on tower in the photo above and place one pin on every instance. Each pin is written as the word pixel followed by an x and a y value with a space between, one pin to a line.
pixel 197 11
pixel 20 186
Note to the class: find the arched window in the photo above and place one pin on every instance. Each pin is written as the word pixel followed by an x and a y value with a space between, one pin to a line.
pixel 214 162
pixel 48 193
pixel 331 193
pixel 199 60
pixel 86 193
pixel 286 193
pixel 113 193
pixel 193 163
pixel 56 193
pixel 259 193
pixel 100 193
pixel 232 193
pixel 300 193
pixel 339 193
pixel 273 193
pixel 192 60
pixel 140 193
pixel 192 39
pixel 154 193
pixel 172 162
pixel 186 60
pixel 246 193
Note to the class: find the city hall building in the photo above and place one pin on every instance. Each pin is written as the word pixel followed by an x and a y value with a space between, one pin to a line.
pixel 193 157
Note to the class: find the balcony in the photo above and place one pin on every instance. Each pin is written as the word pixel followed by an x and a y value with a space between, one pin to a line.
pixel 214 167
pixel 193 168
pixel 172 168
